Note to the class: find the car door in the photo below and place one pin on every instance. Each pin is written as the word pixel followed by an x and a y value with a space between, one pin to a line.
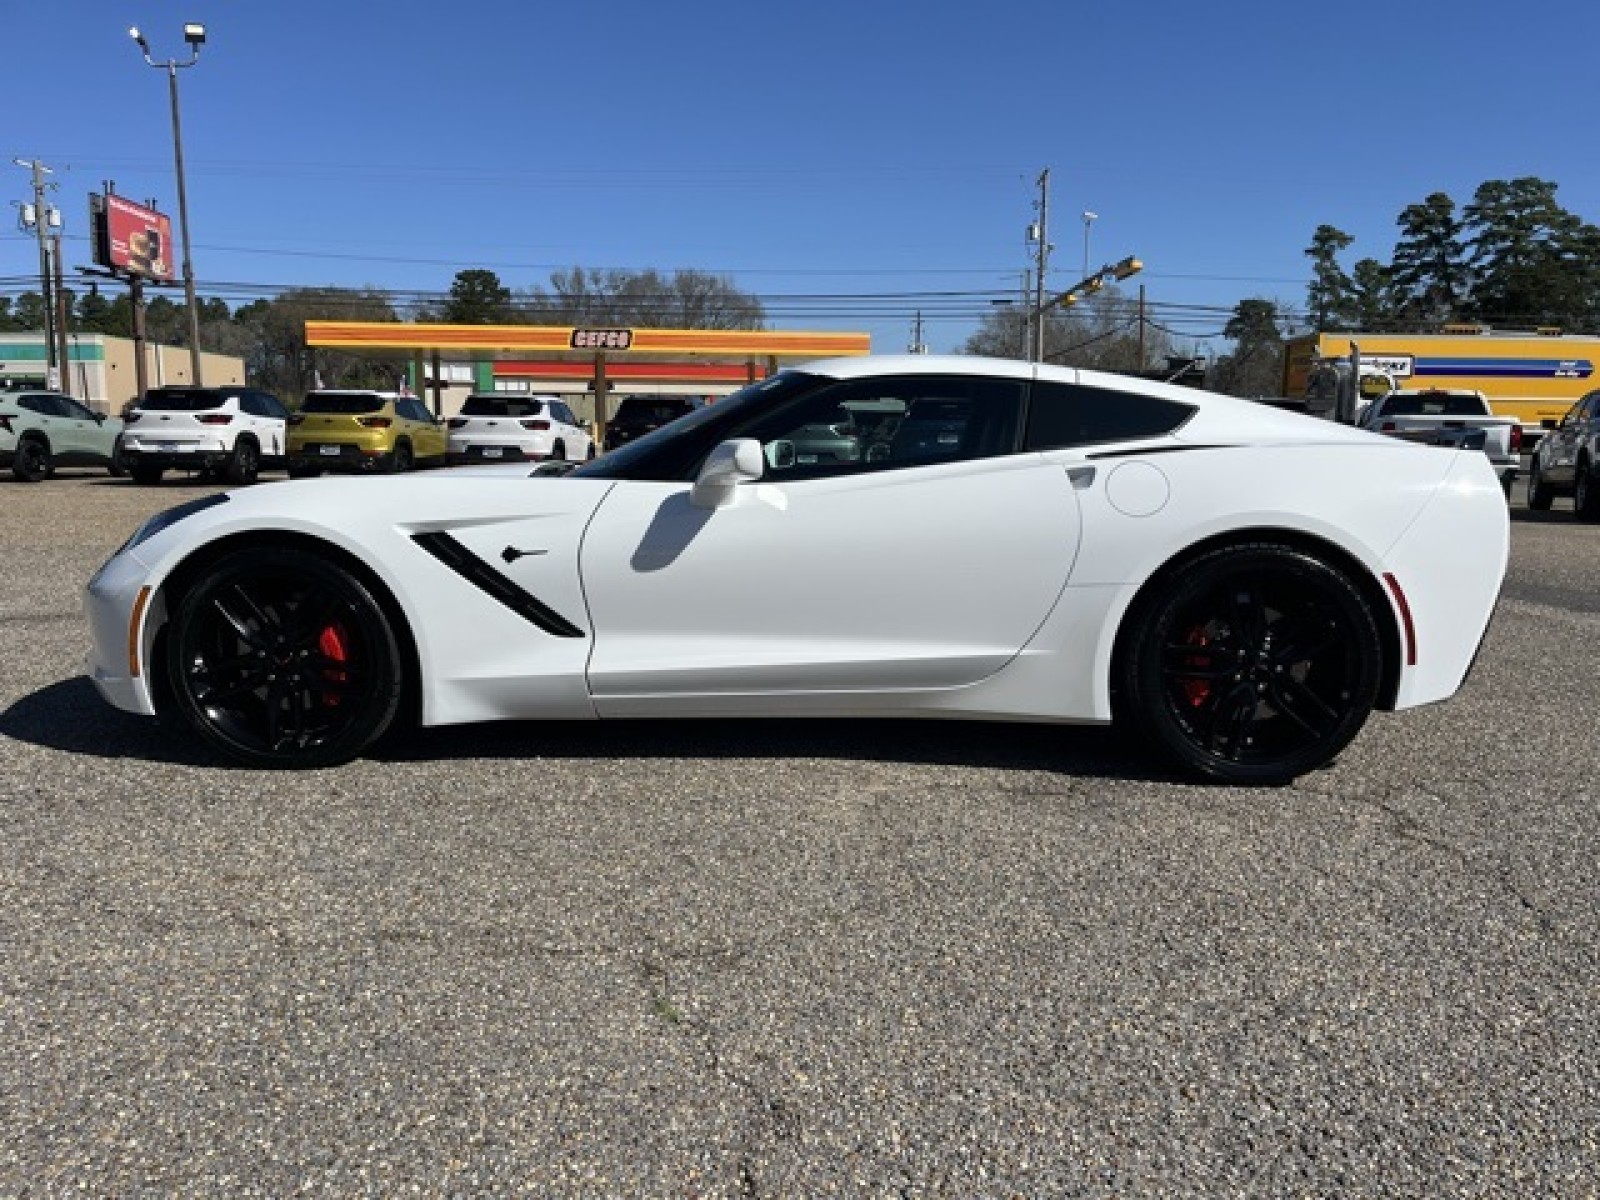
pixel 427 434
pixel 79 439
pixel 927 566
pixel 1558 458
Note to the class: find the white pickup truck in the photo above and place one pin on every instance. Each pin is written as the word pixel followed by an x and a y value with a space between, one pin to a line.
pixel 1439 417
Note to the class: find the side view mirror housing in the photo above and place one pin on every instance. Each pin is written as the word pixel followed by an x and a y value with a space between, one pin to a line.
pixel 727 466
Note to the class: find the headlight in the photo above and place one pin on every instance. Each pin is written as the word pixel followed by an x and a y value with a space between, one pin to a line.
pixel 165 520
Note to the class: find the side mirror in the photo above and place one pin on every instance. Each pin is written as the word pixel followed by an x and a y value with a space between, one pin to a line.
pixel 727 466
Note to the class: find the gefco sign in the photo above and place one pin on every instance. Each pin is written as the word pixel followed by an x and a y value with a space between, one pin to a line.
pixel 601 339
pixel 137 240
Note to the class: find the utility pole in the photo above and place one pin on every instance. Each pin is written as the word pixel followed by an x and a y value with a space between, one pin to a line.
pixel 918 346
pixel 39 222
pixel 1041 264
pixel 62 356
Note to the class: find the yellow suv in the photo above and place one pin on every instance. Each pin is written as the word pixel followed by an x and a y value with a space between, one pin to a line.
pixel 363 431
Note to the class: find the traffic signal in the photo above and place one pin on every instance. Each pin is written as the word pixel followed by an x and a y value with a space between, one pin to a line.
pixel 1128 266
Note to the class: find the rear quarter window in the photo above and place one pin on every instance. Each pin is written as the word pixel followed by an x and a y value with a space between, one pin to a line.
pixel 1061 415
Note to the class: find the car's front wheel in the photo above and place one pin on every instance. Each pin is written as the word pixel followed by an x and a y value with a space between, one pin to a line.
pixel 279 657
pixel 1539 493
pixel 1586 492
pixel 1252 665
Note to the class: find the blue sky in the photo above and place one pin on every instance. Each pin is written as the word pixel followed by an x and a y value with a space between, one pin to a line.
pixel 807 151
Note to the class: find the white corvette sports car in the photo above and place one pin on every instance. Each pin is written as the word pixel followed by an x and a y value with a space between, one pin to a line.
pixel 866 537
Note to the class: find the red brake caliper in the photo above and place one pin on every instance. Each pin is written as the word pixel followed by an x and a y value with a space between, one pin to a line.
pixel 331 643
pixel 1196 691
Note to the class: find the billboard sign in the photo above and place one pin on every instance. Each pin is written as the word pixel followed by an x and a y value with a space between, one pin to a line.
pixel 131 238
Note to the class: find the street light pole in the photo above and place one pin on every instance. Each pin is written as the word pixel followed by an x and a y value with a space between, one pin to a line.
pixel 195 35
pixel 1089 219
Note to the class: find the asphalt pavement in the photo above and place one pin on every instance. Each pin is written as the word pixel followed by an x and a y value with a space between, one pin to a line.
pixel 796 959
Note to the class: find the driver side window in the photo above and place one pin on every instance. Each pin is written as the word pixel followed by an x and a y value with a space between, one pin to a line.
pixel 885 424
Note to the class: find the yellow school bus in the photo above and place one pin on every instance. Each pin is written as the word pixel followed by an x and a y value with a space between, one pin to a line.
pixel 1535 377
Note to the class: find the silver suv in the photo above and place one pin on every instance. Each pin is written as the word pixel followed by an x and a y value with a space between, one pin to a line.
pixel 501 427
pixel 231 431
pixel 40 431
pixel 1566 462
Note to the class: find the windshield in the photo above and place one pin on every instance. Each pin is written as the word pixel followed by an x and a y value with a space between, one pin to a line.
pixel 672 451
pixel 163 400
pixel 342 402
pixel 1434 404
pixel 502 406
pixel 640 410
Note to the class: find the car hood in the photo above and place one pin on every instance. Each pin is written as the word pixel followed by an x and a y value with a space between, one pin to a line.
pixel 365 514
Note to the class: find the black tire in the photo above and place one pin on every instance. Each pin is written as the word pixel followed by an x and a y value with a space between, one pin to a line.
pixel 400 460
pixel 118 466
pixel 244 464
pixel 278 657
pixel 1586 492
pixel 589 457
pixel 145 474
pixel 1539 493
pixel 558 451
pixel 32 461
pixel 1252 664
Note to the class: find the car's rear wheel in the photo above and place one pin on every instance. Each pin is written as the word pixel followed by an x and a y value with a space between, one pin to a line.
pixel 1539 493
pixel 400 460
pixel 244 464
pixel 280 658
pixel 559 451
pixel 1253 664
pixel 145 474
pixel 32 461
pixel 118 466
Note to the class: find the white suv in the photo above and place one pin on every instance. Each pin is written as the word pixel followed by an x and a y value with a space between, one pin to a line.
pixel 506 427
pixel 229 431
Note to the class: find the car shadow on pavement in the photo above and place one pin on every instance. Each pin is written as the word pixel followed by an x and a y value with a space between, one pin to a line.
pixel 70 717
pixel 1069 749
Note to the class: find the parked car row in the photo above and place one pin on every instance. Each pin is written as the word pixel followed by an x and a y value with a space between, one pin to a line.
pixel 233 433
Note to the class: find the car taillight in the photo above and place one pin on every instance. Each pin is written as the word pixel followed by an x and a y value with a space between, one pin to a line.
pixel 535 424
pixel 296 418
pixel 1386 427
pixel 132 417
pixel 1516 439
pixel 457 422
pixel 214 418
pixel 5 423
pixel 375 422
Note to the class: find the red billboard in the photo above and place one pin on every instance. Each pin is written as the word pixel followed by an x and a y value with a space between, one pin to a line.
pixel 136 239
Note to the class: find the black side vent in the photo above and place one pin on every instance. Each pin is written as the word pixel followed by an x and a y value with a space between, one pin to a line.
pixel 481 575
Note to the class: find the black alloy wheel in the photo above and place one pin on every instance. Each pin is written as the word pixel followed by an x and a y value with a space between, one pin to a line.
pixel 244 464
pixel 280 658
pixel 32 460
pixel 1539 493
pixel 400 461
pixel 1255 664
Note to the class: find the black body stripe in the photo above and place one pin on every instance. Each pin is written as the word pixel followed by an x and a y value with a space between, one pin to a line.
pixel 481 575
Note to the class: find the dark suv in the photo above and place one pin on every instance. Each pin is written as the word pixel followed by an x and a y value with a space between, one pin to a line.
pixel 639 415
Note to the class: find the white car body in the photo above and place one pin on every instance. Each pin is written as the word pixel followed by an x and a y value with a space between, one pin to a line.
pixel 166 431
pixel 513 427
pixel 987 587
